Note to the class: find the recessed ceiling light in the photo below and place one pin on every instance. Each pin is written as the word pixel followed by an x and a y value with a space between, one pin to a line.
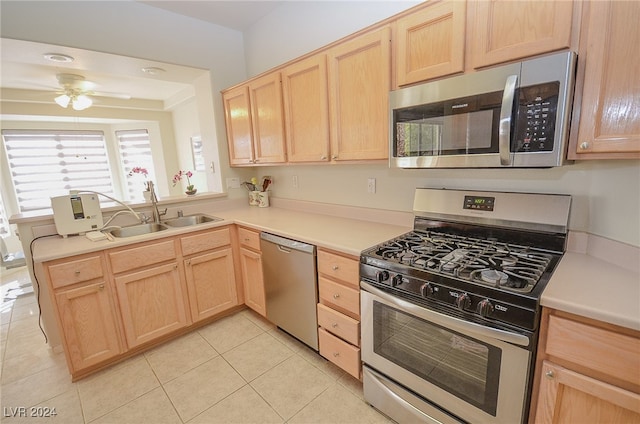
pixel 58 57
pixel 152 70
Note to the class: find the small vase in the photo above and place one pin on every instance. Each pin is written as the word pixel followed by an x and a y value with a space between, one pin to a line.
pixel 191 192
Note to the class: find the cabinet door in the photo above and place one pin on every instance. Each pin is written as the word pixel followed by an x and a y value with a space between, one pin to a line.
pixel 359 84
pixel 237 115
pixel 610 113
pixel 505 30
pixel 265 98
pixel 152 303
pixel 306 110
pixel 211 283
pixel 88 323
pixel 566 396
pixel 431 42
pixel 253 281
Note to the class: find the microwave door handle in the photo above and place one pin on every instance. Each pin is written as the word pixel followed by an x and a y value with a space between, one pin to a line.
pixel 506 112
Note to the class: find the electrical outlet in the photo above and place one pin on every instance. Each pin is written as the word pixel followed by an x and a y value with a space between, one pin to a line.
pixel 295 181
pixel 233 182
pixel 371 185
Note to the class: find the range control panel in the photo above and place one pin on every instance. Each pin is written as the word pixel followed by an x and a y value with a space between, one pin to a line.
pixel 536 118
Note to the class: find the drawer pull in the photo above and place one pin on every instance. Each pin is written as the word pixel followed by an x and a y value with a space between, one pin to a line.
pixel 336 295
pixel 247 239
pixel 101 286
pixel 335 267
pixel 549 374
pixel 77 272
pixel 336 354
pixel 334 325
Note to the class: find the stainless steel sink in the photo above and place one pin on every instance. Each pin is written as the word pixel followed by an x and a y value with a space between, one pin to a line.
pixel 186 221
pixel 138 230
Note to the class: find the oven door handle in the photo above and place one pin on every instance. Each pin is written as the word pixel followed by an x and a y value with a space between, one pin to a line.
pixel 451 322
pixel 506 114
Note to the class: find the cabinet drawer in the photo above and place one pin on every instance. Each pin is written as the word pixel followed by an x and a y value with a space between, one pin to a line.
pixel 339 267
pixel 140 256
pixel 248 238
pixel 339 297
pixel 75 271
pixel 205 241
pixel 596 348
pixel 339 324
pixel 339 352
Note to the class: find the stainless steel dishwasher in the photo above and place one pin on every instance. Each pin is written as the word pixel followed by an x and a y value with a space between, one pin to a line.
pixel 291 286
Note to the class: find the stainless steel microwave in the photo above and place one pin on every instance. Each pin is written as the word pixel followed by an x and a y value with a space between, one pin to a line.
pixel 514 115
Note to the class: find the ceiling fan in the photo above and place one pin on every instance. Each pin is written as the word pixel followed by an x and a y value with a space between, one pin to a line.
pixel 76 92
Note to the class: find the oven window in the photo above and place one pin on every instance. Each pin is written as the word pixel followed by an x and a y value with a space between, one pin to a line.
pixel 453 127
pixel 461 365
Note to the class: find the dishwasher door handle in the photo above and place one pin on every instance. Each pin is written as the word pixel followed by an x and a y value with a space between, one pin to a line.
pixel 284 249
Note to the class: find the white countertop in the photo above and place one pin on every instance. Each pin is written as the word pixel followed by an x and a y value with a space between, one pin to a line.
pixel 589 286
pixel 350 236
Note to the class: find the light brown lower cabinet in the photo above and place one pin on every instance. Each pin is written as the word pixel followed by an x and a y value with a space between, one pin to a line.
pixel 339 310
pixel 586 372
pixel 570 397
pixel 88 323
pixel 251 265
pixel 152 303
pixel 117 302
pixel 211 283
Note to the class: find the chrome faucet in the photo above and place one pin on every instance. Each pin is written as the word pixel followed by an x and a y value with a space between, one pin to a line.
pixel 154 202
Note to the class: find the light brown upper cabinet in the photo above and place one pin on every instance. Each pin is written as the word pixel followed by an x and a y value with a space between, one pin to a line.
pixel 505 30
pixel 430 42
pixel 306 109
pixel 608 63
pixel 359 84
pixel 254 120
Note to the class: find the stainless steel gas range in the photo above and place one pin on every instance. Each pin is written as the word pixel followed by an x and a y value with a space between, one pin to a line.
pixel 450 310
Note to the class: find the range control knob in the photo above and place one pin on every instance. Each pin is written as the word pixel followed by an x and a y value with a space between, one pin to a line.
pixel 396 280
pixel 485 308
pixel 382 276
pixel 463 301
pixel 426 290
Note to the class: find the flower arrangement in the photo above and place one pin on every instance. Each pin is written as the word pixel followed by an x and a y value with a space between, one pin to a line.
pixel 138 170
pixel 185 174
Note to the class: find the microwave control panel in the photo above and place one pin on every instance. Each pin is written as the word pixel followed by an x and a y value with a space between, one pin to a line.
pixel 536 118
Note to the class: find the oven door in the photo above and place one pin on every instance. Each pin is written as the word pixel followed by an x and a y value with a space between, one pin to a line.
pixel 473 372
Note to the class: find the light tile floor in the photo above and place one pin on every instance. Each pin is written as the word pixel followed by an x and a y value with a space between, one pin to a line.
pixel 240 369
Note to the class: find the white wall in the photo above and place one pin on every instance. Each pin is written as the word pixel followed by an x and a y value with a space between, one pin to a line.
pixel 606 194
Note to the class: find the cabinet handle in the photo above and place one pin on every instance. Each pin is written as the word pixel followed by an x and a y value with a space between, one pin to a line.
pixel 335 267
pixel 549 374
pixel 77 272
pixel 175 266
pixel 334 325
pixel 189 262
pixel 336 295
pixel 334 157
pixel 247 239
pixel 584 145
pixel 323 158
pixel 101 286
pixel 336 354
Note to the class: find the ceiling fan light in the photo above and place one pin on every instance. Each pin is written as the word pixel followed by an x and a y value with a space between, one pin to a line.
pixel 82 102
pixel 63 100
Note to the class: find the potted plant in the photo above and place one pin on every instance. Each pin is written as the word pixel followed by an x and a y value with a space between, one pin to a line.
pixel 190 190
pixel 138 170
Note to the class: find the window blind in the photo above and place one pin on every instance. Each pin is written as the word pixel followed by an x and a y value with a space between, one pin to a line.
pixel 47 163
pixel 135 151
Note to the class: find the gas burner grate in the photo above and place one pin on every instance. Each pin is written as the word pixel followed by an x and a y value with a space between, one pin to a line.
pixel 482 261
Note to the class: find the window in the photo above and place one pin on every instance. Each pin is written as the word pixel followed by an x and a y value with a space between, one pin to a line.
pixel 4 222
pixel 47 163
pixel 135 151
